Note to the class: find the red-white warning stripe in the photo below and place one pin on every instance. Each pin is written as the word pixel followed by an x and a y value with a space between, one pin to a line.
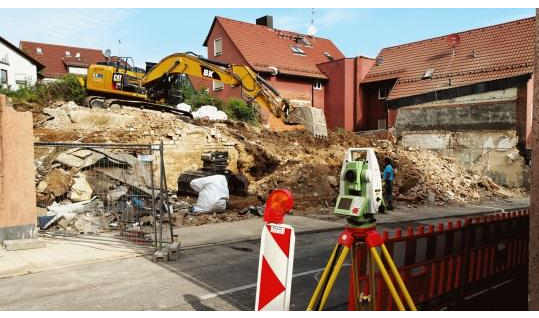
pixel 275 267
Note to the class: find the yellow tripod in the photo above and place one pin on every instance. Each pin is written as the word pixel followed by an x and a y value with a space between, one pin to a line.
pixel 347 241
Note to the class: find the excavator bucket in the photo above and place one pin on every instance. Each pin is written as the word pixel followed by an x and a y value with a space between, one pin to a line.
pixel 312 118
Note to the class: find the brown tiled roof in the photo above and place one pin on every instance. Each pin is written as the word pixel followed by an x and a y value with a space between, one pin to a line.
pixel 263 47
pixel 501 51
pixel 55 60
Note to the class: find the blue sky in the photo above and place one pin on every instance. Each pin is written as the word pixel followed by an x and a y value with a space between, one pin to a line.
pixel 151 34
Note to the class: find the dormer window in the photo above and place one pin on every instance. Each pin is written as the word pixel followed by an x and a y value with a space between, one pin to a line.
pixel 68 53
pixel 428 74
pixel 328 56
pixel 77 55
pixel 297 50
pixel 38 50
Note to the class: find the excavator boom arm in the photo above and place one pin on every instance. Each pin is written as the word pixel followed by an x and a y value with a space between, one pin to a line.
pixel 253 87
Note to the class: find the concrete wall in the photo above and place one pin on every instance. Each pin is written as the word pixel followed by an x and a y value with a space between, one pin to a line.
pixel 18 211
pixel 490 153
pixel 17 67
pixel 497 115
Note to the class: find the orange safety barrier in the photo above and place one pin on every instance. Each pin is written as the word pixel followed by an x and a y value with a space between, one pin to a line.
pixel 443 264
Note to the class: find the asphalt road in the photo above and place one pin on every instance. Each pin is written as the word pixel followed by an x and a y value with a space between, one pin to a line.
pixel 219 277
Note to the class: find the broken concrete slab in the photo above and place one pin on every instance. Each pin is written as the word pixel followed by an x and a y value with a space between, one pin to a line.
pixel 81 189
pixel 24 244
pixel 57 182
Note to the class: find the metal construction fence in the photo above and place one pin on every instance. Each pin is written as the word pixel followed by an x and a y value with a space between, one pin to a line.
pixel 89 188
pixel 444 264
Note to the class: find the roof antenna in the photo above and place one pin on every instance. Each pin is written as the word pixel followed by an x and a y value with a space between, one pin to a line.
pixel 311 31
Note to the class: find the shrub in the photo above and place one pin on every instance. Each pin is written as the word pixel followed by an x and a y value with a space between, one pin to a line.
pixel 239 110
pixel 200 98
pixel 66 88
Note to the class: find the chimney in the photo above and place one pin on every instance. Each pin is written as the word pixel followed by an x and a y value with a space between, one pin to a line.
pixel 266 20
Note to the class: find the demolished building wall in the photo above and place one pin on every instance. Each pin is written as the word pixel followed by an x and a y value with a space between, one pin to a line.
pixel 17 172
pixel 479 131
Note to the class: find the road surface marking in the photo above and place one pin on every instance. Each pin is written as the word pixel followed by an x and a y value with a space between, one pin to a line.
pixel 239 288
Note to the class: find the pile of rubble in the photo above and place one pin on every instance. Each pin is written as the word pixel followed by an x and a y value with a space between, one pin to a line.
pixel 87 190
pixel 427 176
pixel 295 160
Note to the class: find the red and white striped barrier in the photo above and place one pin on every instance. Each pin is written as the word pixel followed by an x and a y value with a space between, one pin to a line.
pixel 276 255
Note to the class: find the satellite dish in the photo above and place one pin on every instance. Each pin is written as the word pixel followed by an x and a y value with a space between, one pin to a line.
pixel 107 53
pixel 274 70
pixel 453 40
pixel 311 30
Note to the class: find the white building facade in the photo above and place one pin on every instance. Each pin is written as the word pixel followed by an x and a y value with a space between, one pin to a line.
pixel 16 68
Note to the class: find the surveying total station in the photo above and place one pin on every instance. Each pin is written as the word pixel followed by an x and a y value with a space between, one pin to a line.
pixel 360 198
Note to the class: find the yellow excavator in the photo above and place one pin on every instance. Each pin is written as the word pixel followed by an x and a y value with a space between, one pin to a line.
pixel 160 87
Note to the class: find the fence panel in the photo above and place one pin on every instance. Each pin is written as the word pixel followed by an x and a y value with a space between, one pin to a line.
pixel 90 188
pixel 443 264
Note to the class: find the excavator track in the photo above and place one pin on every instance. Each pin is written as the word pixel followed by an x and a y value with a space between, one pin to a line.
pixel 101 102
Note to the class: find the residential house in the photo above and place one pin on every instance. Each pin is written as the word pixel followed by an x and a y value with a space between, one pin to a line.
pixel 60 60
pixel 287 60
pixel 16 67
pixel 468 94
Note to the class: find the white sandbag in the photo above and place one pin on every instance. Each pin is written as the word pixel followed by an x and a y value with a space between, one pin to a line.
pixel 212 194
pixel 209 112
pixel 184 107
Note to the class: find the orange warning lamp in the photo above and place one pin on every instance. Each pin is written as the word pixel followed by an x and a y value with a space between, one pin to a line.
pixel 280 202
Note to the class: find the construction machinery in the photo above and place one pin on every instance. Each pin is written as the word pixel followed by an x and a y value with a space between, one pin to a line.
pixel 213 162
pixel 161 87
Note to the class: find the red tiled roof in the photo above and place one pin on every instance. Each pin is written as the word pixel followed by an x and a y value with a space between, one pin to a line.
pixel 501 51
pixel 54 58
pixel 263 47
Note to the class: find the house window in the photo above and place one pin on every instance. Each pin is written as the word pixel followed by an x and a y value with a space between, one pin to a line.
pixel 428 73
pixel 317 85
pixel 20 79
pixel 217 47
pixel 4 58
pixel 297 50
pixel 39 50
pixel 68 53
pixel 77 55
pixel 218 86
pixel 3 77
pixel 382 92
pixel 328 56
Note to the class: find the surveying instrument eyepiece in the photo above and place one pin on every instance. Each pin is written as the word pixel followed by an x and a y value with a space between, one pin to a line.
pixel 360 198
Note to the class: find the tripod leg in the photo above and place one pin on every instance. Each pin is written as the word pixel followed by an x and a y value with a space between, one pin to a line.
pixel 355 278
pixel 372 283
pixel 333 276
pixel 323 279
pixel 387 279
pixel 398 278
